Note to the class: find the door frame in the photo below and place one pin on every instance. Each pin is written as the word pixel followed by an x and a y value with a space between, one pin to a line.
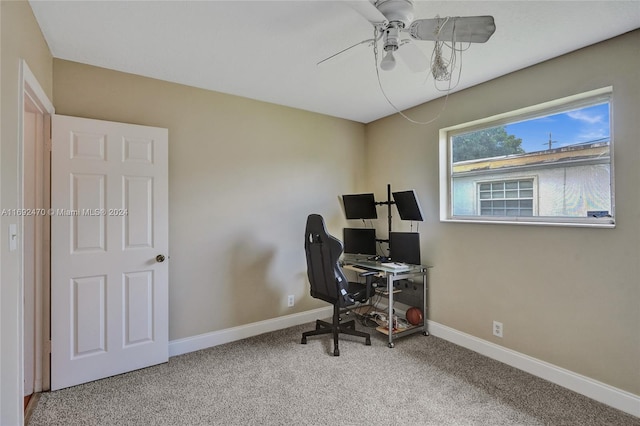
pixel 31 88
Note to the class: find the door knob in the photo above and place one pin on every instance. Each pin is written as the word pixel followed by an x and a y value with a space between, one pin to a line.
pixel 160 258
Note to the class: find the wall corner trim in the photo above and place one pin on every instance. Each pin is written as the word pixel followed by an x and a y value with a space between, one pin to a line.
pixel 601 392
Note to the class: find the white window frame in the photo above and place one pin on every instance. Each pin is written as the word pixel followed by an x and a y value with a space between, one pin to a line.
pixel 604 94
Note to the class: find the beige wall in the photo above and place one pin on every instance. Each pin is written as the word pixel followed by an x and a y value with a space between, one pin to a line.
pixel 568 296
pixel 243 176
pixel 21 39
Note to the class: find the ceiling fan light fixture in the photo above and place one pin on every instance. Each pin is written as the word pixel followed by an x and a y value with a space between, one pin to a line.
pixel 388 62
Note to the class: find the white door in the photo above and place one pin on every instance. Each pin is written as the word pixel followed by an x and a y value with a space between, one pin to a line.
pixel 109 237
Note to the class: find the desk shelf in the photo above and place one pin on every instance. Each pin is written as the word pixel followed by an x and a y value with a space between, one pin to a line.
pixel 386 292
pixel 397 331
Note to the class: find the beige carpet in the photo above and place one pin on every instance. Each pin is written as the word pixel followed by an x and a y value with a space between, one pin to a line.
pixel 274 380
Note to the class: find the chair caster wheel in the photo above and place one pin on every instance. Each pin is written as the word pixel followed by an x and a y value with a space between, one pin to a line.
pixel 336 352
pixel 425 333
pixel 391 345
pixel 303 341
pixel 367 342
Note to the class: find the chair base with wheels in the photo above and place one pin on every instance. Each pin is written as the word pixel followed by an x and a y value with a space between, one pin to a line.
pixel 336 328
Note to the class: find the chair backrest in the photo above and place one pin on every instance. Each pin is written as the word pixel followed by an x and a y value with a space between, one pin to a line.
pixel 323 252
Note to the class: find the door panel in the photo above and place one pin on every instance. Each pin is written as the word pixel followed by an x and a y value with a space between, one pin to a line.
pixel 109 222
pixel 138 201
pixel 88 316
pixel 138 303
pixel 88 232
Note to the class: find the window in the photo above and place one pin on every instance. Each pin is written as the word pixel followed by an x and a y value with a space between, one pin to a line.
pixel 547 164
pixel 506 198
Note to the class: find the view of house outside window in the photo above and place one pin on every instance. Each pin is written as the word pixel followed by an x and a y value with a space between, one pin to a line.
pixel 552 166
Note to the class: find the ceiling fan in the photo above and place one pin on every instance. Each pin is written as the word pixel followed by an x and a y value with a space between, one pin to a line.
pixel 392 18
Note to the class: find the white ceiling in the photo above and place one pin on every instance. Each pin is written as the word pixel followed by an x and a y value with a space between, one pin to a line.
pixel 268 50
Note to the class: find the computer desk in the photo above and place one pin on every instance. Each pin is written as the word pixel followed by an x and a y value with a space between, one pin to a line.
pixel 393 274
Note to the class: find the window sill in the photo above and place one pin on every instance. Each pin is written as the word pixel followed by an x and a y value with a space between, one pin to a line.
pixel 607 223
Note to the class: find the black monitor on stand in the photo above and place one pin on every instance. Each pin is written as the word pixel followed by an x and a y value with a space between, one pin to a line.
pixel 405 247
pixel 408 205
pixel 360 206
pixel 359 241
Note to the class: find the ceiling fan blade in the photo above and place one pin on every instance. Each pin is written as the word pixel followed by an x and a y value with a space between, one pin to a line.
pixel 370 41
pixel 413 57
pixel 368 11
pixel 469 29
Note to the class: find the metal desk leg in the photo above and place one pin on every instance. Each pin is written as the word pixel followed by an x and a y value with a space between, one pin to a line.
pixel 390 316
pixel 425 327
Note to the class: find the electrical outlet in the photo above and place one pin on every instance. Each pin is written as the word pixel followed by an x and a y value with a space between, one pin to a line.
pixel 290 300
pixel 497 328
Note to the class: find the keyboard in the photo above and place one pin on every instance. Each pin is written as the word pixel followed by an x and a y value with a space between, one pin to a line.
pixel 357 268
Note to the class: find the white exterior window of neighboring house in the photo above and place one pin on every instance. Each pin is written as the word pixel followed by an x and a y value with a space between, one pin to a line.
pixel 506 198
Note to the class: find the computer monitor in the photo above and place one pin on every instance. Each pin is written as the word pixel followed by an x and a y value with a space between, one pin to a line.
pixel 360 206
pixel 408 205
pixel 359 240
pixel 405 247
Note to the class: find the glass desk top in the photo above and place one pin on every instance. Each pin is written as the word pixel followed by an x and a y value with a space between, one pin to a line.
pixel 389 267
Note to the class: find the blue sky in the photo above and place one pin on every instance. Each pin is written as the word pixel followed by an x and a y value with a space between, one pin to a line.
pixel 568 128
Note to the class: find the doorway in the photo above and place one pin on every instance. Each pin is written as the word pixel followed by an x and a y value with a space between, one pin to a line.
pixel 76 218
pixel 34 225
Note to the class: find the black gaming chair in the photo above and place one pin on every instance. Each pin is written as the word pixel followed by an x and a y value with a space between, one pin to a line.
pixel 329 283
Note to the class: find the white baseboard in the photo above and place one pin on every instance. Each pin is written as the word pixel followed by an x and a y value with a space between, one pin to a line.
pixel 616 398
pixel 207 340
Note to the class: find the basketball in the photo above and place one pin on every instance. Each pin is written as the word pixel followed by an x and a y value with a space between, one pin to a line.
pixel 414 316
